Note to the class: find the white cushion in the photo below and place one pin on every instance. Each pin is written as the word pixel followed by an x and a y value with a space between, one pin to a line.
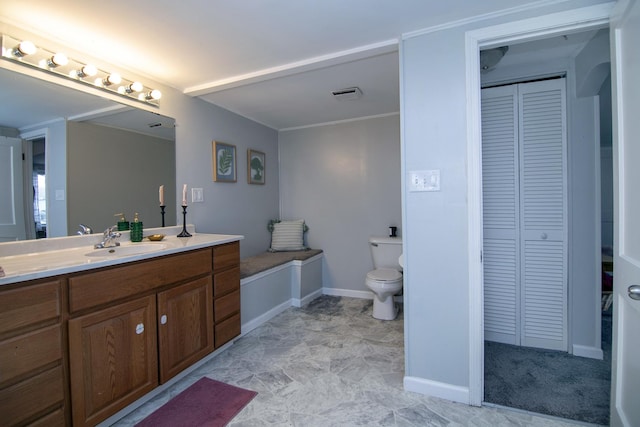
pixel 288 236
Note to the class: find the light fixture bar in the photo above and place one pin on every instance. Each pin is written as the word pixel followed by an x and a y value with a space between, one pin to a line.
pixel 26 53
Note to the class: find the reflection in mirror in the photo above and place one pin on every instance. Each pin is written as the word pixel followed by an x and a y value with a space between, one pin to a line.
pixel 100 158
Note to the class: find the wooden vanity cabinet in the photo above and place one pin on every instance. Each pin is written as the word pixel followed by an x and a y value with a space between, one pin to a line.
pixel 113 355
pixel 137 326
pixel 32 355
pixel 185 326
pixel 226 292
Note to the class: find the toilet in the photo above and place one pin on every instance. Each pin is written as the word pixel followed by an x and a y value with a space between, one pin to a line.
pixel 386 280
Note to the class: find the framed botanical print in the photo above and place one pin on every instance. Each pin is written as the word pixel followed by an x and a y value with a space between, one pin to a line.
pixel 224 162
pixel 255 166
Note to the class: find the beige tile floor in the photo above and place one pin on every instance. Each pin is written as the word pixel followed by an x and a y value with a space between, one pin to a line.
pixel 331 364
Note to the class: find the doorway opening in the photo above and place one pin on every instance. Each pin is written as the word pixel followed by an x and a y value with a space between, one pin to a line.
pixel 551 381
pixel 38 181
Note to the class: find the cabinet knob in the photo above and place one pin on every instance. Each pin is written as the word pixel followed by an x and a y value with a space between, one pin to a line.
pixel 139 328
pixel 163 319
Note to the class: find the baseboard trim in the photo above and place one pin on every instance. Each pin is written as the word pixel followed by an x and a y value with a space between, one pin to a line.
pixel 587 351
pixel 437 389
pixel 356 294
pixel 265 317
pixel 306 300
pixel 347 293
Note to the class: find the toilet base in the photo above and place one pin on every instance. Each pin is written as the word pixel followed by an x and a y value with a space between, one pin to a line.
pixel 384 310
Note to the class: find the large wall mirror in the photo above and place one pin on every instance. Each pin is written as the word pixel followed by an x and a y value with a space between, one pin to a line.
pixel 86 158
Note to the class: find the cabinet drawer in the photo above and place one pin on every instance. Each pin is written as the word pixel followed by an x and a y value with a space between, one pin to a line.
pixel 122 281
pixel 24 399
pixel 227 305
pixel 227 330
pixel 29 305
pixel 226 256
pixel 25 353
pixel 54 419
pixel 225 282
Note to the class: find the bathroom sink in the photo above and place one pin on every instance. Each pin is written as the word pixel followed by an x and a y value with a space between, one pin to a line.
pixel 121 251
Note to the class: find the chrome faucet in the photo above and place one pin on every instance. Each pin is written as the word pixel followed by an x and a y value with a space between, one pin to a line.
pixel 110 238
pixel 84 229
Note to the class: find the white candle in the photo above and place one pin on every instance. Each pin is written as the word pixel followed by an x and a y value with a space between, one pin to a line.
pixel 184 195
pixel 161 193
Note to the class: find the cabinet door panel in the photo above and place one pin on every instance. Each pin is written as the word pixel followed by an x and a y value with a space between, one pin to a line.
pixel 113 356
pixel 185 315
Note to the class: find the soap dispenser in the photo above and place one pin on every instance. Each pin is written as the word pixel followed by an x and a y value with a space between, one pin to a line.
pixel 136 229
pixel 123 224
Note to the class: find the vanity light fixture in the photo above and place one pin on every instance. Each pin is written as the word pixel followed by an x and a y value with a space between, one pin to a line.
pixel 24 48
pixel 153 94
pixel 134 87
pixel 24 52
pixel 58 59
pixel 112 79
pixel 86 71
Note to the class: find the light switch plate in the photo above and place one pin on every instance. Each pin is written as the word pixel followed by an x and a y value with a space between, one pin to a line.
pixel 425 180
pixel 59 194
pixel 197 195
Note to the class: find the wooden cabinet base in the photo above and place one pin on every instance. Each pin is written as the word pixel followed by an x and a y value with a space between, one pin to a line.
pixel 37 396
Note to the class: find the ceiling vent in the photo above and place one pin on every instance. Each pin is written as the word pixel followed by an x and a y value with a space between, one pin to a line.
pixel 347 93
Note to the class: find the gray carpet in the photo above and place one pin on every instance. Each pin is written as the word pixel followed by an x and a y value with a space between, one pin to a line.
pixel 550 382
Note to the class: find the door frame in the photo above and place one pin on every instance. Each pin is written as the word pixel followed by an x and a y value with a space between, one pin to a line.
pixel 591 17
pixel 28 137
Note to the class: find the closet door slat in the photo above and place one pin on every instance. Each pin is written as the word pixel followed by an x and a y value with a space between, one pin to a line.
pixel 500 185
pixel 542 129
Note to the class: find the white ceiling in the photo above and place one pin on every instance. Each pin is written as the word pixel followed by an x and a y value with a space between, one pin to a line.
pixel 274 61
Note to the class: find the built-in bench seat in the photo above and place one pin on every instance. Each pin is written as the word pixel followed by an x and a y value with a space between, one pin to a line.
pixel 265 261
pixel 271 282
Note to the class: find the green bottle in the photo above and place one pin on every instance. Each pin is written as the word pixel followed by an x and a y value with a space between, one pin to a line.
pixel 123 224
pixel 136 229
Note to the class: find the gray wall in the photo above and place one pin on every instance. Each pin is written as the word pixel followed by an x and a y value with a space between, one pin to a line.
pixel 57 179
pixel 344 181
pixel 228 208
pixel 606 165
pixel 436 280
pixel 111 171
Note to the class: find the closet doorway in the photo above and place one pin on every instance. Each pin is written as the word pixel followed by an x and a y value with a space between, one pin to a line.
pixel 524 163
pixel 505 248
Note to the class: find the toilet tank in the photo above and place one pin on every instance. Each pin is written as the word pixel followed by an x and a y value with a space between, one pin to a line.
pixel 386 251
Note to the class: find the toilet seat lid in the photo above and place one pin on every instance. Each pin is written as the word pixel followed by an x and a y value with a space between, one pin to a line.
pixel 384 274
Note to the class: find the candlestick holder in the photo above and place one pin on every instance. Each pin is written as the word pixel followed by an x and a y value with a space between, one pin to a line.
pixel 184 232
pixel 162 213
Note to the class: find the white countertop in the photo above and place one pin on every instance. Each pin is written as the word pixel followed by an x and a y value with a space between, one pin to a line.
pixel 35 259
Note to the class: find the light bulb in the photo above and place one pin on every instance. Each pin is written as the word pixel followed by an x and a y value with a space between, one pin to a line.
pixel 135 87
pixel 154 94
pixel 87 71
pixel 24 48
pixel 112 79
pixel 59 59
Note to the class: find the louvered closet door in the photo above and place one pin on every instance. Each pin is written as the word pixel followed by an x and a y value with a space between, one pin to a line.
pixel 500 186
pixel 543 214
